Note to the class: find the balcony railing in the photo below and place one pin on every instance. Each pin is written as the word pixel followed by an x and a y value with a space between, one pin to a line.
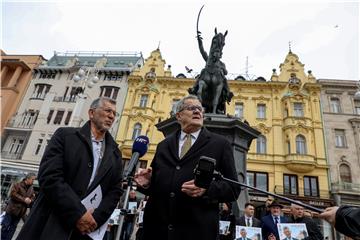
pixel 65 99
pixel 9 155
pixel 301 192
pixel 345 187
pixel 21 122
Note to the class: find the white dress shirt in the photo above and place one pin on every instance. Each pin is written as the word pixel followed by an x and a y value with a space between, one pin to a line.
pixel 182 139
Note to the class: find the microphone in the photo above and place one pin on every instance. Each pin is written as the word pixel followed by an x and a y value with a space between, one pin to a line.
pixel 204 172
pixel 139 149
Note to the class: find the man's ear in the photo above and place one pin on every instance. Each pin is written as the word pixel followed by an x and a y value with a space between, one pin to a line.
pixel 178 116
pixel 91 113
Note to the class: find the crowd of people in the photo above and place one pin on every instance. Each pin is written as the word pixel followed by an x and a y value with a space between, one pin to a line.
pixel 81 182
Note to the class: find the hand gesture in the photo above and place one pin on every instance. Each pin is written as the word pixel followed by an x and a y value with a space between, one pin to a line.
pixel 191 190
pixel 143 177
pixel 27 200
pixel 86 224
pixel 329 215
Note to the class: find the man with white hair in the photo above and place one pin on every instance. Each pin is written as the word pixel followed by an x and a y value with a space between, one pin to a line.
pixel 313 229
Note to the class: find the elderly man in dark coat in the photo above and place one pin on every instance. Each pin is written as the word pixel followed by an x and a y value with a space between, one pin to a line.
pixel 177 209
pixel 77 161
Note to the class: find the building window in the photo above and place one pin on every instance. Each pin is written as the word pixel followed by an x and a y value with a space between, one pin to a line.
pixel 300 144
pixel 51 112
pixel 335 105
pixel 109 91
pixel 68 116
pixel 38 146
pixel 137 131
pixel 298 110
pixel 15 147
pixel 47 76
pixel 261 144
pixel 345 173
pixel 258 180
pixel 261 111
pixel 58 117
pixel 41 90
pixel 111 77
pixel 29 118
pixel 239 110
pixel 340 139
pixel 357 107
pixel 290 184
pixel 143 100
pixel 311 187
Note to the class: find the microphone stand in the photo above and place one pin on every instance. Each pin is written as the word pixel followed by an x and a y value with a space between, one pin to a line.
pixel 220 176
pixel 124 210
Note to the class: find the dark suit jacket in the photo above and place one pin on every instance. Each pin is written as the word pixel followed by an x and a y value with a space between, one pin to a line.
pixel 255 222
pixel 170 213
pixel 64 175
pixel 268 226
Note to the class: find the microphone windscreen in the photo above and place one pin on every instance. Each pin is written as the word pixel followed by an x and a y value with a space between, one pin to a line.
pixel 140 145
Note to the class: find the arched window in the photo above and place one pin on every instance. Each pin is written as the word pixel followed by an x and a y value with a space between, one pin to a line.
pixel 345 173
pixel 137 131
pixel 300 144
pixel 261 144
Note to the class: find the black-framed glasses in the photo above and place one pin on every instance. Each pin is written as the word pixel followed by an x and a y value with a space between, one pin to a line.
pixel 108 111
pixel 193 108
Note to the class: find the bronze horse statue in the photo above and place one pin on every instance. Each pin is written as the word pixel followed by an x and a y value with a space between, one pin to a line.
pixel 211 85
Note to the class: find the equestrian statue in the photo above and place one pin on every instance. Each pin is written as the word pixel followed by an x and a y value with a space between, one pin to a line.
pixel 211 85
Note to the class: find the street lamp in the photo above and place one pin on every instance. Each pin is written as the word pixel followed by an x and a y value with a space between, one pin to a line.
pixel 88 76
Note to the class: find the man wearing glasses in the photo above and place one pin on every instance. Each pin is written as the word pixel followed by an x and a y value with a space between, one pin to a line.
pixel 177 209
pixel 76 162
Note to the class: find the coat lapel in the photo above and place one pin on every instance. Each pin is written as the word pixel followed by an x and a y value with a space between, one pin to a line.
pixel 174 145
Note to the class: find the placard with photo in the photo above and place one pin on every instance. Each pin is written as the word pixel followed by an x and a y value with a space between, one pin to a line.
pixel 293 231
pixel 115 216
pixel 224 227
pixel 247 233
pixel 132 206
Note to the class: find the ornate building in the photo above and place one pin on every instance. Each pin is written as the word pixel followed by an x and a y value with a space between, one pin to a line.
pixel 342 130
pixel 291 149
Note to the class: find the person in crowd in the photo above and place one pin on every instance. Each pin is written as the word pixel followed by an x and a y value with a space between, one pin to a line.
pixel 129 218
pixel 248 219
pixel 77 162
pixel 243 235
pixel 298 216
pixel 345 219
pixel 227 215
pixel 287 233
pixel 269 222
pixel 21 197
pixel 177 209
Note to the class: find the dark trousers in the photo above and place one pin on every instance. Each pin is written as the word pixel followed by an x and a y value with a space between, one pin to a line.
pixel 127 230
pixel 8 226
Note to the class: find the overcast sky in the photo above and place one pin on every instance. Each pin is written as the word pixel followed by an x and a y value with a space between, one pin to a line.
pixel 324 34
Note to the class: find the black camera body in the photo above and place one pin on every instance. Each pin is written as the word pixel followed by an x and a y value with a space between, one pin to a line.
pixel 204 172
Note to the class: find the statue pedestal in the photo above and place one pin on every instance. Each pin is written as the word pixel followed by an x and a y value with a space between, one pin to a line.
pixel 239 134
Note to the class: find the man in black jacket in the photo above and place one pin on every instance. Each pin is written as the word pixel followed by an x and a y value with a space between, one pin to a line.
pixel 76 162
pixel 177 209
pixel 345 219
pixel 313 229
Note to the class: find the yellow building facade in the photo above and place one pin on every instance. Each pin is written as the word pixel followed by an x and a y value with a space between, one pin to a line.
pixel 288 158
